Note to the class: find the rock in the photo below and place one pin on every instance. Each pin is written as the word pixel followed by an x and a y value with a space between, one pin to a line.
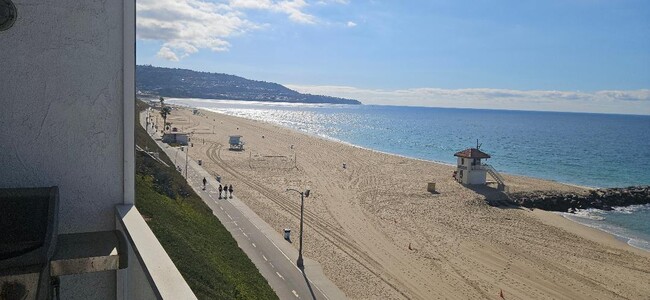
pixel 600 198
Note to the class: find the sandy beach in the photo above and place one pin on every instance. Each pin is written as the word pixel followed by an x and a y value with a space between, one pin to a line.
pixel 379 234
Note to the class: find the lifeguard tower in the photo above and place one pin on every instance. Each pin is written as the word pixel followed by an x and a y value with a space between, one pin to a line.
pixel 470 169
pixel 236 143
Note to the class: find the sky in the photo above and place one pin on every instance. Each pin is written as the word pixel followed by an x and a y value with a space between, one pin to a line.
pixel 558 55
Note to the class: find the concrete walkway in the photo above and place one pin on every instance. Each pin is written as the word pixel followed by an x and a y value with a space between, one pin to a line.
pixel 272 255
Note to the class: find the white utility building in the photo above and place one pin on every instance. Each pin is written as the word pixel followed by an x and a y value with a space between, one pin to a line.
pixel 176 138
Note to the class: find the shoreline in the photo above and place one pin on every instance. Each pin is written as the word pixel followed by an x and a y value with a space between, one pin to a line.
pixel 379 242
pixel 587 188
pixel 618 236
pixel 244 102
pixel 594 233
pixel 328 138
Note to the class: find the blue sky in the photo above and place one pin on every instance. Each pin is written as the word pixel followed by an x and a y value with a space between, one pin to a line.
pixel 539 55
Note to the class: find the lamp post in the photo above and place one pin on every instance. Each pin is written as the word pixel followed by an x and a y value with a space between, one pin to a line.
pixel 187 150
pixel 303 195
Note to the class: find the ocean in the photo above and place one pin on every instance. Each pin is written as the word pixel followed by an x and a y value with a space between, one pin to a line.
pixel 595 150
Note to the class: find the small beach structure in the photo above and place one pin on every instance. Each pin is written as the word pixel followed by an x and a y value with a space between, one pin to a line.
pixel 236 143
pixel 176 138
pixel 471 170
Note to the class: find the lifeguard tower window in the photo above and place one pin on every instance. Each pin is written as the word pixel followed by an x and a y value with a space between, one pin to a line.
pixel 8 14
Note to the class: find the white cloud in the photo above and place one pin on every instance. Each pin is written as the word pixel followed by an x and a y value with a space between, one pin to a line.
pixel 292 8
pixel 254 4
pixel 168 54
pixel 609 101
pixel 327 2
pixel 186 26
pixel 351 24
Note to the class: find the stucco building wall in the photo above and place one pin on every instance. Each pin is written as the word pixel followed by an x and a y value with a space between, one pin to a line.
pixel 61 115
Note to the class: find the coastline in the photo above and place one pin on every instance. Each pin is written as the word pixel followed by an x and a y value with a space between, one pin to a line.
pixel 329 138
pixel 591 232
pixel 434 226
pixel 615 231
pixel 574 220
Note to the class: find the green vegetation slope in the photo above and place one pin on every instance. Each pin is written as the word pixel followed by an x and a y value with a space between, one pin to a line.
pixel 202 249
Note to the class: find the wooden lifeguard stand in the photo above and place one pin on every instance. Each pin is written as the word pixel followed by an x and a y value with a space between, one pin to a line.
pixel 236 144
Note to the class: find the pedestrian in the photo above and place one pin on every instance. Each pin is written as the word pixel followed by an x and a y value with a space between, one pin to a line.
pixel 230 189
pixel 205 181
pixel 225 191
pixel 220 189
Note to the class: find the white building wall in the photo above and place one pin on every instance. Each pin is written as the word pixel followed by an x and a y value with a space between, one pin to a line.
pixel 470 176
pixel 476 177
pixel 61 115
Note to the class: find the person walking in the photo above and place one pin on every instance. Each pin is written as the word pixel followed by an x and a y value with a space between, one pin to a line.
pixel 205 181
pixel 220 189
pixel 225 191
pixel 230 189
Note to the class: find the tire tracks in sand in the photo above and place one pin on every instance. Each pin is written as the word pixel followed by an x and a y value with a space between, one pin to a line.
pixel 322 227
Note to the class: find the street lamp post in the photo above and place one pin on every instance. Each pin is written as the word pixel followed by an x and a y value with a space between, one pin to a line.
pixel 187 150
pixel 303 195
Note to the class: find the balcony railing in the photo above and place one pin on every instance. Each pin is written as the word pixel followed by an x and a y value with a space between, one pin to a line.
pixel 151 273
pixel 38 262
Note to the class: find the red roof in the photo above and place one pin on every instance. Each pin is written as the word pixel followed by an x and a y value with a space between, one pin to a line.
pixel 472 153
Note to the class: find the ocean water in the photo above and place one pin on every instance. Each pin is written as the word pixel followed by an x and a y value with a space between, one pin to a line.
pixel 630 224
pixel 596 150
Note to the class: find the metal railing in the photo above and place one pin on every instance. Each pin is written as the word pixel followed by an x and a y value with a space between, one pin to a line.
pixel 493 172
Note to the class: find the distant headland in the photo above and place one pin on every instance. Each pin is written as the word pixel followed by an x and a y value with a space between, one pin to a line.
pixel 183 83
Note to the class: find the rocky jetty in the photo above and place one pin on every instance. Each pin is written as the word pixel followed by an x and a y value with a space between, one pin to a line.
pixel 568 202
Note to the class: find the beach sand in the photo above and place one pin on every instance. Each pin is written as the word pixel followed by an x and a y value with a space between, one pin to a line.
pixel 379 234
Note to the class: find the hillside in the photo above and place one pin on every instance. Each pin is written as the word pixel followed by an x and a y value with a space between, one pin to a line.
pixel 200 246
pixel 182 83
